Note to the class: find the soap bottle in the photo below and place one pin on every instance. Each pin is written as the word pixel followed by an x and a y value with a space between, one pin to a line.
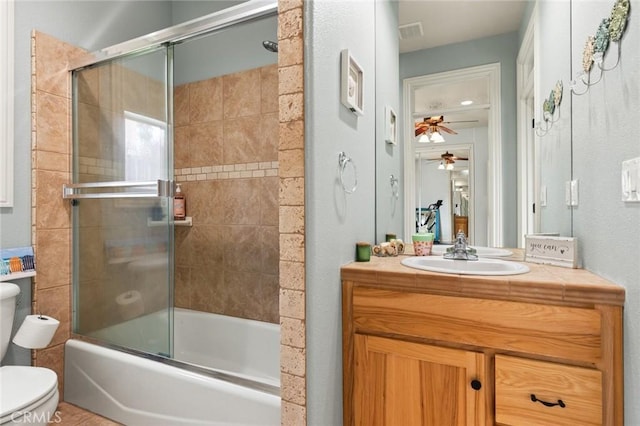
pixel 179 204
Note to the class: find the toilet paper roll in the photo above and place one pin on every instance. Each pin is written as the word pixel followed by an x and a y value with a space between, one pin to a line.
pixel 130 304
pixel 36 331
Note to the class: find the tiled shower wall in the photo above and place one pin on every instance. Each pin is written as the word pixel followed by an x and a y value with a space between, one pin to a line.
pixel 226 157
pixel 51 224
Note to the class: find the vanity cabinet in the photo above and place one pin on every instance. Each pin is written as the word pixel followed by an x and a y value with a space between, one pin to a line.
pixel 421 348
pixel 405 383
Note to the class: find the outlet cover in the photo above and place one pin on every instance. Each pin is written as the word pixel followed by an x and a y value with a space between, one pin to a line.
pixel 631 180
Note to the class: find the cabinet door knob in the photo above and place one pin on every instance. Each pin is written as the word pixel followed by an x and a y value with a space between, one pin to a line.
pixel 476 384
pixel 560 403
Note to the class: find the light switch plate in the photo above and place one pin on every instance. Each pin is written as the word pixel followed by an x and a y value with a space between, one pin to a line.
pixel 631 180
pixel 571 193
pixel 543 196
pixel 574 192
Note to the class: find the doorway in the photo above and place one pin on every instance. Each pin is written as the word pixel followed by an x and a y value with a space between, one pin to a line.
pixel 477 124
pixel 445 186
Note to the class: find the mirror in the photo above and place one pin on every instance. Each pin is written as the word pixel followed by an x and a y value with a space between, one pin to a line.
pixel 521 168
pixel 433 109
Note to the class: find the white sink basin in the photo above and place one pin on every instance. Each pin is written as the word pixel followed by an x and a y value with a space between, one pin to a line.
pixel 465 267
pixel 480 251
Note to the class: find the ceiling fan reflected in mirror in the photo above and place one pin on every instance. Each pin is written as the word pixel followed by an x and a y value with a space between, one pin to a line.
pixel 450 158
pixel 430 128
pixel 448 161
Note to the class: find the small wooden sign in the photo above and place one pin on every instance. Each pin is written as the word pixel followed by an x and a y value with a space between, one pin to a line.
pixel 558 251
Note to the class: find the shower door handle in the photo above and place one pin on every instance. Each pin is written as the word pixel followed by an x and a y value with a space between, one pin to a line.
pixel 118 189
pixel 166 188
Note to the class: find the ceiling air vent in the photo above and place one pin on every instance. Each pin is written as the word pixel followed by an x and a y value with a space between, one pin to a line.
pixel 410 30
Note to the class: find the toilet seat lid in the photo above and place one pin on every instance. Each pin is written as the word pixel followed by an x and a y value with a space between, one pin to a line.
pixel 21 386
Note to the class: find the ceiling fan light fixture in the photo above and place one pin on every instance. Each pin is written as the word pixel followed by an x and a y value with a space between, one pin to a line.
pixel 436 137
pixel 449 166
pixel 423 138
pixel 441 166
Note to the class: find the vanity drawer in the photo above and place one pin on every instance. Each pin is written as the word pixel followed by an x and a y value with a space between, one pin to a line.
pixel 520 385
pixel 555 331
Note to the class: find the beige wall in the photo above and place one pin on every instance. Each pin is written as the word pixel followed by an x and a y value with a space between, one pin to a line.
pixel 51 220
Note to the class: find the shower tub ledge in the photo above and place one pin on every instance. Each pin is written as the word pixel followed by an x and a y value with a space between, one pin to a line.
pixel 134 390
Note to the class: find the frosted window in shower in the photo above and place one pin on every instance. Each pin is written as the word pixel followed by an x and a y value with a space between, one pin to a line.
pixel 145 148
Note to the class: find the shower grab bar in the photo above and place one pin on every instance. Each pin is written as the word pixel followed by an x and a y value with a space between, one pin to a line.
pixel 161 188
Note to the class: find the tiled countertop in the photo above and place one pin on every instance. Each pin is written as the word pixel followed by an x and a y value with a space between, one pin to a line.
pixel 548 284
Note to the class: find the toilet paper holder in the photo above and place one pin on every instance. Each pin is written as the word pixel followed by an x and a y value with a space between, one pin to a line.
pixel 36 331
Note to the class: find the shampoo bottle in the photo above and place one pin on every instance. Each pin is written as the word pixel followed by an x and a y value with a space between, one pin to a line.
pixel 179 204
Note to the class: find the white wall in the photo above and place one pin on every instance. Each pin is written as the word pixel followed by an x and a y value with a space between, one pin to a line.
pixel 606 131
pixel 335 221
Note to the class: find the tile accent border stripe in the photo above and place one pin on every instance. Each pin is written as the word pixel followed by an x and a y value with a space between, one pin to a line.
pixel 227 171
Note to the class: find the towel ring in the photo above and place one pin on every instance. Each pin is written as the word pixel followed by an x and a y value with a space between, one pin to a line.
pixel 343 161
pixel 395 186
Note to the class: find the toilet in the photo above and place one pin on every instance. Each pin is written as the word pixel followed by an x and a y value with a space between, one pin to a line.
pixel 28 395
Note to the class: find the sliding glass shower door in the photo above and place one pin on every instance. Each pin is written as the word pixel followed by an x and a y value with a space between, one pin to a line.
pixel 121 201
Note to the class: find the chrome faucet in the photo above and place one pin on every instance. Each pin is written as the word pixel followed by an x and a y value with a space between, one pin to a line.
pixel 460 250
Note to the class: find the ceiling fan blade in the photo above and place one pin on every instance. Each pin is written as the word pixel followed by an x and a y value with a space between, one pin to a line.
pixel 448 130
pixel 460 121
pixel 460 158
pixel 420 130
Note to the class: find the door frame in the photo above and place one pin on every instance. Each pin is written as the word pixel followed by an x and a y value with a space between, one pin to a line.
pixel 527 78
pixel 494 166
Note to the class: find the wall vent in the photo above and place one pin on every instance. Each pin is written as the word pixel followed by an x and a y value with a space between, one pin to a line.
pixel 410 30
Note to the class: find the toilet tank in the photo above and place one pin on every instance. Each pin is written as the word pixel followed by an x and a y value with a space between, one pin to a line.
pixel 8 294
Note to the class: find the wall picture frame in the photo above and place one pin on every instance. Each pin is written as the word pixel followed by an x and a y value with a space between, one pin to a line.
pixel 390 126
pixel 351 83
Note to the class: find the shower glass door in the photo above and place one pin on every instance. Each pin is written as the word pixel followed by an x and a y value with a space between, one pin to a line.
pixel 121 198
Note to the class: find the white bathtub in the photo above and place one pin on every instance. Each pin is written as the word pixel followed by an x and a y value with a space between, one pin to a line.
pixel 243 347
pixel 138 391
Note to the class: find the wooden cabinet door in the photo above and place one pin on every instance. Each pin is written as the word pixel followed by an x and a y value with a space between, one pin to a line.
pixel 405 383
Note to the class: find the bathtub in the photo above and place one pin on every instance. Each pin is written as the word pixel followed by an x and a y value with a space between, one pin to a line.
pixel 240 385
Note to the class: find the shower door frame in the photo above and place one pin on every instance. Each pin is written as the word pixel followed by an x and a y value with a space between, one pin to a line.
pixel 120 191
pixel 206 25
